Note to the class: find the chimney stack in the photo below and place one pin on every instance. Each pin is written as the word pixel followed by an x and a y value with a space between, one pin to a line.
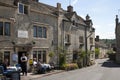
pixel 70 8
pixel 58 6
pixel 97 39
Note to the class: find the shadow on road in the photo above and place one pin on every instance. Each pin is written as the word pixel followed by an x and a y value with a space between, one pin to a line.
pixel 110 64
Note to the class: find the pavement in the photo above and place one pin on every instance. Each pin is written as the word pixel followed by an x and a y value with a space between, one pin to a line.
pixel 31 76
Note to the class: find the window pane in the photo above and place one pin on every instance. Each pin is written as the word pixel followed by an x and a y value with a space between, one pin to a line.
pixel 68 38
pixel 21 8
pixel 34 54
pixel 40 32
pixel 44 32
pixel 35 31
pixel 7 29
pixel 7 56
pixel 1 28
pixel 39 55
pixel 26 9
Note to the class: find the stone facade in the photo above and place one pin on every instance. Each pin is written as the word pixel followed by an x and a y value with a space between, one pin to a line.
pixel 103 48
pixel 37 28
pixel 117 33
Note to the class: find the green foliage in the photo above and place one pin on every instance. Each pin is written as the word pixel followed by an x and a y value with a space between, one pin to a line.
pixel 97 51
pixel 51 54
pixel 70 66
pixel 62 57
pixel 82 54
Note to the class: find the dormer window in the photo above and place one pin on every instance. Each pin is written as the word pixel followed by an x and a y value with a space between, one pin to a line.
pixel 23 9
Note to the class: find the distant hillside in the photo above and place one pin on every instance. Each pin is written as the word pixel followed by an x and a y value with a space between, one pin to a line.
pixel 108 41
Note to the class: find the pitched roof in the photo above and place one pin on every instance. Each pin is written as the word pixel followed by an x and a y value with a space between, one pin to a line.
pixel 69 15
pixel 52 10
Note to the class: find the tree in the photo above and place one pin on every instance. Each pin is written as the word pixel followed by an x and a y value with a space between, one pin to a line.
pixel 81 56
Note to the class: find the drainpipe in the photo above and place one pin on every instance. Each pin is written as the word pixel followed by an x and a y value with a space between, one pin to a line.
pixel 86 50
pixel 63 34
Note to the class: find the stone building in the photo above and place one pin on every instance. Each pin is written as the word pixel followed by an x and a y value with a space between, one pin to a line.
pixel 117 33
pixel 103 48
pixel 34 28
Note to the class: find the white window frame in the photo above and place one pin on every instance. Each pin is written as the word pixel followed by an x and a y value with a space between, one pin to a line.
pixel 23 8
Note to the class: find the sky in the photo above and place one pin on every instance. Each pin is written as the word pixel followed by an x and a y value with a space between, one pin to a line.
pixel 102 13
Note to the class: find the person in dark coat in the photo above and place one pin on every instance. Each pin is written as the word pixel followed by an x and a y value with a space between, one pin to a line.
pixel 5 64
pixel 24 64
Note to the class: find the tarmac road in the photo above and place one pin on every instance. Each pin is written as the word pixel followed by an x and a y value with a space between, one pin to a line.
pixel 102 70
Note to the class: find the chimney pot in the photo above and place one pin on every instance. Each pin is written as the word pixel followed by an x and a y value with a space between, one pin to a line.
pixel 87 17
pixel 117 20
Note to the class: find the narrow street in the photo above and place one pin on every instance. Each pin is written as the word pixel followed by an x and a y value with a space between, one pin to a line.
pixel 102 70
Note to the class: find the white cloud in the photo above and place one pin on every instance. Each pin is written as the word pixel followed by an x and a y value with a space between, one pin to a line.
pixel 83 16
pixel 73 2
pixel 96 26
pixel 105 31
pixel 111 25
